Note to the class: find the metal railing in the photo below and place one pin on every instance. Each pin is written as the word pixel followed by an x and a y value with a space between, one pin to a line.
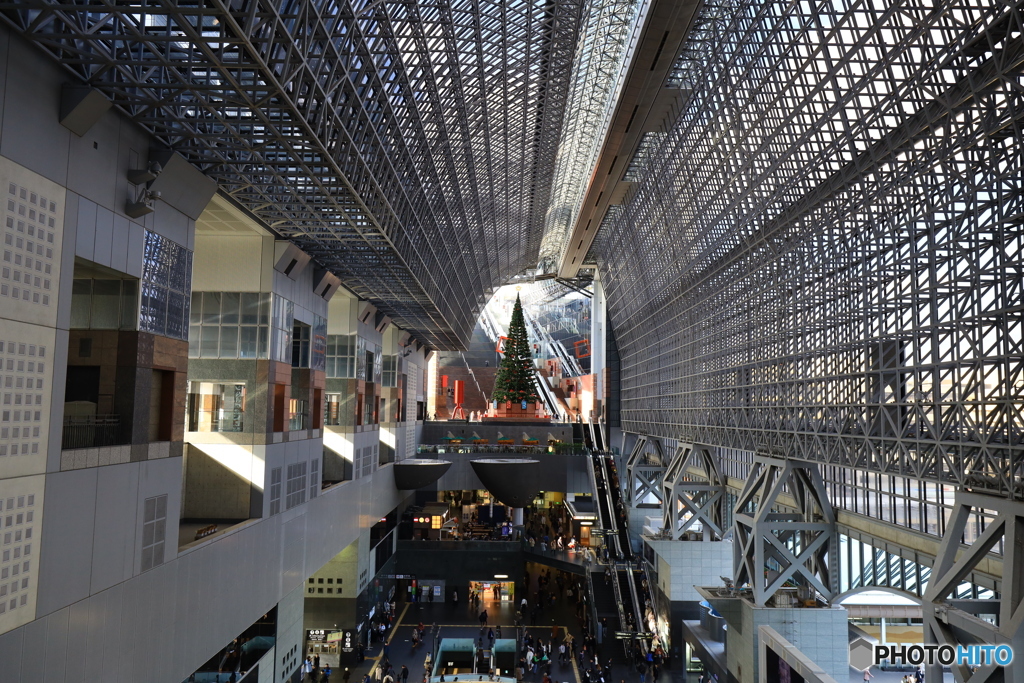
pixel 94 431
pixel 560 449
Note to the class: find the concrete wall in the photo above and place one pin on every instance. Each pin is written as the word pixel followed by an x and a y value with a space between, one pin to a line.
pixel 99 618
pixel 247 270
pixel 90 613
pixel 84 182
pixel 342 571
pixel 685 564
pixel 212 490
pixel 821 634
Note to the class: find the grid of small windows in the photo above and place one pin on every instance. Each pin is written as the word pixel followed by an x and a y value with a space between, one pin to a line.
pixel 389 375
pixel 154 531
pixel 341 355
pixel 318 344
pixel 369 361
pixel 922 505
pixel 27 268
pixel 366 460
pixel 295 486
pixel 300 345
pixel 275 490
pixel 16 518
pixel 241 325
pixel 104 304
pixel 166 282
pixel 23 373
pixel 316 583
pixel 314 478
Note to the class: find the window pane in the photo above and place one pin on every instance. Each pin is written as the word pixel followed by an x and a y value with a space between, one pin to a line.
pixel 209 342
pixel 211 308
pixel 81 303
pixel 248 342
pixel 175 315
pixel 106 304
pixel 263 342
pixel 193 341
pixel 196 315
pixel 129 304
pixel 229 308
pixel 229 341
pixel 250 308
pixel 264 308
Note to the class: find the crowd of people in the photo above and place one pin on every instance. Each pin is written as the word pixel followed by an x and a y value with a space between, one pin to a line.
pixel 548 529
pixel 312 673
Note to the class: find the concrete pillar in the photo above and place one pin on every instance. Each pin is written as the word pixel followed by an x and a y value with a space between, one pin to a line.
pixel 882 634
pixel 517 516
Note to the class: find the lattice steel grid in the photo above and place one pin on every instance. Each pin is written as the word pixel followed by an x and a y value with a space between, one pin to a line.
pixel 408 146
pixel 822 257
pixel 597 74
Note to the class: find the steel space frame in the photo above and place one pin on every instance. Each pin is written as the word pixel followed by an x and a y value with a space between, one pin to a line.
pixel 822 256
pixel 408 146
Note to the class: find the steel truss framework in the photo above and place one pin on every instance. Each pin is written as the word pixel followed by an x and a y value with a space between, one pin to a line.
pixel 823 256
pixel 694 492
pixel 952 621
pixel 408 146
pixel 598 71
pixel 773 548
pixel 645 470
pixel 864 561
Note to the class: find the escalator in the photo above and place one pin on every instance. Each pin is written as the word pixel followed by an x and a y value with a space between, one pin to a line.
pixel 546 395
pixel 597 436
pixel 629 587
pixel 484 660
pixel 604 597
pixel 615 494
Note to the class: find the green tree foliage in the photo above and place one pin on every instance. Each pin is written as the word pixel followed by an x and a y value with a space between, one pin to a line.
pixel 514 380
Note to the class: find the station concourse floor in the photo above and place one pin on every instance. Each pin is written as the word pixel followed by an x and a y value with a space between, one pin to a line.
pixel 462 621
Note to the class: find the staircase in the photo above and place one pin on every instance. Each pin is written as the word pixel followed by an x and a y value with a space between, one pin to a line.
pixel 476 367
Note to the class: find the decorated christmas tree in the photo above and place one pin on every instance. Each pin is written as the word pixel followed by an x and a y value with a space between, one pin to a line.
pixel 514 380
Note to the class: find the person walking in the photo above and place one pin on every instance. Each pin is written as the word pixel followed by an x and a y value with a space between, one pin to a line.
pixel 326 677
pixel 867 675
pixel 404 675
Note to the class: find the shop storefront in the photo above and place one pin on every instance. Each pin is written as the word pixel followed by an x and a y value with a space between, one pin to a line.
pixel 321 641
pixel 494 590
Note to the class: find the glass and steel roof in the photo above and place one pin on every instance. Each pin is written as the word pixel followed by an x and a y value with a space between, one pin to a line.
pixel 408 146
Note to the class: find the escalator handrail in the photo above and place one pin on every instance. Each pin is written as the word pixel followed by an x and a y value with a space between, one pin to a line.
pixel 616 591
pixel 593 481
